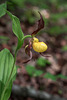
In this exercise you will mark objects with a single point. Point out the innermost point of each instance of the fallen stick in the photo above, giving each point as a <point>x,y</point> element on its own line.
<point>19,91</point>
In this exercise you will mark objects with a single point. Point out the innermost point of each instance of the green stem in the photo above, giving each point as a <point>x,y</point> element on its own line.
<point>27,36</point>
<point>6,85</point>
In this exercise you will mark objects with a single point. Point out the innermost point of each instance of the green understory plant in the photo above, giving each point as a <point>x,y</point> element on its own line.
<point>4,39</point>
<point>64,48</point>
<point>42,62</point>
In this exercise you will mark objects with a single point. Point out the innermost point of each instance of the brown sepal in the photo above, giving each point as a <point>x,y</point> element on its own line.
<point>40,25</point>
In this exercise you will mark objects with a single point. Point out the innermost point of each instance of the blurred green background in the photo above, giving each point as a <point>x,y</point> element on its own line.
<point>53,11</point>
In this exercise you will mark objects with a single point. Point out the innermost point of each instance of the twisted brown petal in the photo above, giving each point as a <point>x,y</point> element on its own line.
<point>46,56</point>
<point>27,60</point>
<point>28,52</point>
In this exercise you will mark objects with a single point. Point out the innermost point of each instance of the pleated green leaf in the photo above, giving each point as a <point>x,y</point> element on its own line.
<point>6,64</point>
